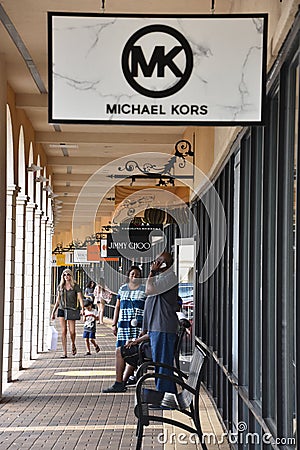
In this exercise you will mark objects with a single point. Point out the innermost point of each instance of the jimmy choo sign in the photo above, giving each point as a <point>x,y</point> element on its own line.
<point>135,241</point>
<point>157,69</point>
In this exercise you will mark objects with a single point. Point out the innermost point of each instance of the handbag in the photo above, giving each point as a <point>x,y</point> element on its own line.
<point>70,313</point>
<point>145,353</point>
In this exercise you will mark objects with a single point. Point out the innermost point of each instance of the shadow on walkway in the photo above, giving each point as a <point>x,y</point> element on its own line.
<point>58,404</point>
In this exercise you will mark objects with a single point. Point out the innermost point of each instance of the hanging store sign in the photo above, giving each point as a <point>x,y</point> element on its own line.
<point>61,259</point>
<point>93,253</point>
<point>80,256</point>
<point>103,249</point>
<point>125,69</point>
<point>129,242</point>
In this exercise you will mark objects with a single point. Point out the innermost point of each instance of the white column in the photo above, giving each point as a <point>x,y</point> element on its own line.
<point>11,195</point>
<point>41,332</point>
<point>3,94</point>
<point>36,281</point>
<point>19,283</point>
<point>48,275</point>
<point>28,299</point>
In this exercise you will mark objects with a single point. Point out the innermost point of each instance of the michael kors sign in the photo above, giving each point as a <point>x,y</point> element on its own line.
<point>157,69</point>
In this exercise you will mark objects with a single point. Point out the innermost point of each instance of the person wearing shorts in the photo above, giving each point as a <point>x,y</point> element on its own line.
<point>130,355</point>
<point>69,295</point>
<point>127,321</point>
<point>102,296</point>
<point>127,360</point>
<point>89,327</point>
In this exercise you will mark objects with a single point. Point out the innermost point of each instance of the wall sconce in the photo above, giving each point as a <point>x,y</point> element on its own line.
<point>52,195</point>
<point>33,168</point>
<point>41,179</point>
<point>48,189</point>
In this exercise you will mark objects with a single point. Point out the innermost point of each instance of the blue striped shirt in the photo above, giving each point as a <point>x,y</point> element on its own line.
<point>132,304</point>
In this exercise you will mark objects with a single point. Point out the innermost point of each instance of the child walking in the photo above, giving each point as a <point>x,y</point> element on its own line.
<point>89,327</point>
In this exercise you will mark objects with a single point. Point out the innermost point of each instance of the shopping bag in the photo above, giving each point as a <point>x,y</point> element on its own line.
<point>52,338</point>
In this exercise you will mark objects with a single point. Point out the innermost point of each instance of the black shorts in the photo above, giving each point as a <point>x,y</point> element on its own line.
<point>60,313</point>
<point>130,355</point>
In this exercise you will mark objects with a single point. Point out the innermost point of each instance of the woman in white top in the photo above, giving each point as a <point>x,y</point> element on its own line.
<point>102,296</point>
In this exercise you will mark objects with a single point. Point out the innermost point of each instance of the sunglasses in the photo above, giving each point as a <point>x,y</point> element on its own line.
<point>67,274</point>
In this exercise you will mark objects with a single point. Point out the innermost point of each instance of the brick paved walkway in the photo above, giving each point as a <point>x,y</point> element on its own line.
<point>57,404</point>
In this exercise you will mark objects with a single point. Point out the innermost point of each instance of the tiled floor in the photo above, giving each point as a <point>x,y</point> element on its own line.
<point>57,404</point>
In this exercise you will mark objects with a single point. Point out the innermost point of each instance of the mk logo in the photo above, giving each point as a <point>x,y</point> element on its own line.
<point>136,66</point>
<point>158,59</point>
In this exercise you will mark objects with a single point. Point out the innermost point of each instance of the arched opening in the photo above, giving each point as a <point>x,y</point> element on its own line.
<point>9,252</point>
<point>21,162</point>
<point>29,255</point>
<point>30,175</point>
<point>19,291</point>
<point>9,149</point>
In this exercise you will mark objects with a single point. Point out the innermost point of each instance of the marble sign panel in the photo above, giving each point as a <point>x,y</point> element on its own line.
<point>157,69</point>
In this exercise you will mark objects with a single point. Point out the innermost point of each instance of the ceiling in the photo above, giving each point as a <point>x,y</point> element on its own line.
<point>74,152</point>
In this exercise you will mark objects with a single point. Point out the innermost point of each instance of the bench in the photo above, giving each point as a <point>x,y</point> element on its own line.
<point>186,401</point>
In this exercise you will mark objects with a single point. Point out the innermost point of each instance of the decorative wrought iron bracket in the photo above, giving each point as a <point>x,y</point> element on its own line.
<point>165,173</point>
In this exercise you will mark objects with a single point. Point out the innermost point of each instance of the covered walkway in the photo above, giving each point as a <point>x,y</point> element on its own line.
<point>57,404</point>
